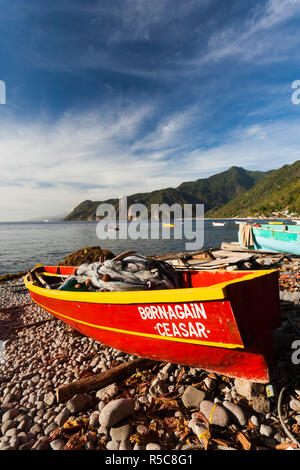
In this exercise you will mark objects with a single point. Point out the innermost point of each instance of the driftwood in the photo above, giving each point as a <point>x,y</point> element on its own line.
<point>98,381</point>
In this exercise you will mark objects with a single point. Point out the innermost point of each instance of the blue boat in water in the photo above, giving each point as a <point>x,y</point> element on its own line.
<point>270,237</point>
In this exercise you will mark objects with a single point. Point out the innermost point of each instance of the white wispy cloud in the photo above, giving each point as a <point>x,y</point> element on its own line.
<point>275,12</point>
<point>169,45</point>
<point>48,168</point>
<point>260,37</point>
<point>204,111</point>
<point>263,146</point>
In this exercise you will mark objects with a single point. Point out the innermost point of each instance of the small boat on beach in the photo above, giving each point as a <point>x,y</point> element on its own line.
<point>271,238</point>
<point>114,227</point>
<point>219,224</point>
<point>219,321</point>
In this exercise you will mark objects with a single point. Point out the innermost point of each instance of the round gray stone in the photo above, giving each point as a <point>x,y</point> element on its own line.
<point>115,411</point>
<point>192,397</point>
<point>62,417</point>
<point>49,398</point>
<point>197,426</point>
<point>94,418</point>
<point>12,432</point>
<point>254,420</point>
<point>295,405</point>
<point>10,414</point>
<point>57,444</point>
<point>50,428</point>
<point>6,426</point>
<point>265,430</point>
<point>36,429</point>
<point>215,413</point>
<point>107,392</point>
<point>236,413</point>
<point>77,403</point>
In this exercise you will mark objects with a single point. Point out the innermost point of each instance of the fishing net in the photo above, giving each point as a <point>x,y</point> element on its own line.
<point>130,273</point>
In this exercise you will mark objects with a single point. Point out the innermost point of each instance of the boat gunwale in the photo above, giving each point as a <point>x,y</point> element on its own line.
<point>274,230</point>
<point>215,292</point>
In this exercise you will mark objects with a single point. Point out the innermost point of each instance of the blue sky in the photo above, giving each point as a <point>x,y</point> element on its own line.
<point>112,97</point>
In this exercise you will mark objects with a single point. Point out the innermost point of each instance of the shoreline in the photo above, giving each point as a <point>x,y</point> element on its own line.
<point>39,359</point>
<point>135,220</point>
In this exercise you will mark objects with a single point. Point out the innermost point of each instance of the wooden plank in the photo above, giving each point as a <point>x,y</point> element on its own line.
<point>234,246</point>
<point>222,259</point>
<point>215,264</point>
<point>224,254</point>
<point>184,254</point>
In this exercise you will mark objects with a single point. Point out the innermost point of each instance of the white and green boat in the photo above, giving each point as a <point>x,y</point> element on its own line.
<point>270,237</point>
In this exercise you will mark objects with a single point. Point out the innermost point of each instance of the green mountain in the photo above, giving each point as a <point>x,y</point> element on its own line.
<point>219,189</point>
<point>214,192</point>
<point>279,191</point>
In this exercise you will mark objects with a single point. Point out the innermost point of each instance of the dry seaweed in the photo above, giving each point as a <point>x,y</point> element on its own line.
<point>87,255</point>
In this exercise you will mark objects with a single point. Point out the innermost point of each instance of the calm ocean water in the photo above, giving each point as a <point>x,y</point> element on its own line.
<point>24,244</point>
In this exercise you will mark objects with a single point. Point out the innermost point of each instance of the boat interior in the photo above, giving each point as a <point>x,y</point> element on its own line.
<point>52,277</point>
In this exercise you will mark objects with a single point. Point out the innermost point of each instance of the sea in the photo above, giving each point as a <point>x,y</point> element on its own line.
<point>25,244</point>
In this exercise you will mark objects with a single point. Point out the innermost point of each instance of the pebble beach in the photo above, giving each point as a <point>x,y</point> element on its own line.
<point>166,407</point>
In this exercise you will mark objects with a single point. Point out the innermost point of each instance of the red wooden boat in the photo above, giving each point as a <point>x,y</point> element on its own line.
<point>218,321</point>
